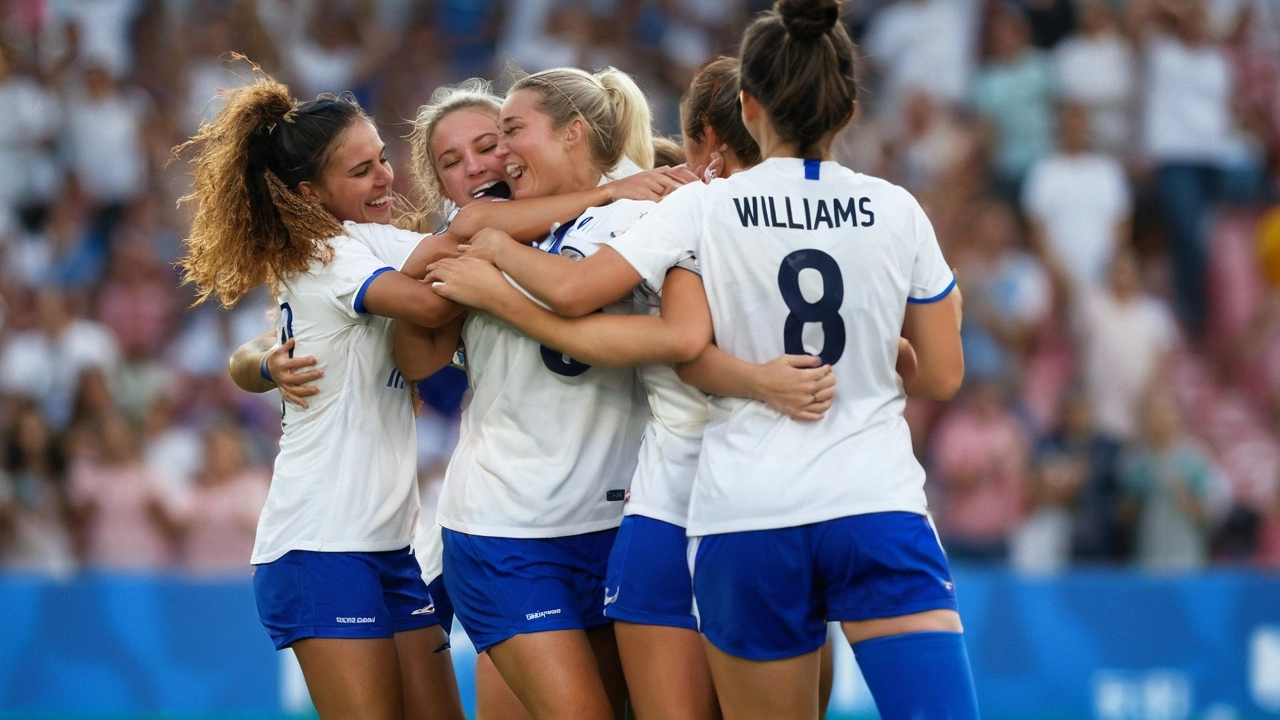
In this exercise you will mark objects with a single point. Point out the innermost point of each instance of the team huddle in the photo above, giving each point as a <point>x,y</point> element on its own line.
<point>683,451</point>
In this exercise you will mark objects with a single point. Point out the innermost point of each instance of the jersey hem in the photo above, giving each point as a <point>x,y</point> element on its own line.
<point>677,519</point>
<point>696,529</point>
<point>529,533</point>
<point>351,547</point>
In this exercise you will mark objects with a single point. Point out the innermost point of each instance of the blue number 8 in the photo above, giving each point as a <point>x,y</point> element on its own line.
<point>825,311</point>
<point>561,364</point>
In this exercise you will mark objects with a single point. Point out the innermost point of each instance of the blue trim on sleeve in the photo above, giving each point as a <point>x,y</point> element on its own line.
<point>359,303</point>
<point>811,168</point>
<point>935,298</point>
<point>559,235</point>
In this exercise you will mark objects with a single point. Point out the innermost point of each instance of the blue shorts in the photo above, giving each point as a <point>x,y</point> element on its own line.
<point>648,581</point>
<point>768,594</point>
<point>444,607</point>
<point>306,594</point>
<point>503,587</point>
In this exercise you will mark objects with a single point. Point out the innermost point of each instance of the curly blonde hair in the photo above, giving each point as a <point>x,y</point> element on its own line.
<point>471,94</point>
<point>250,224</point>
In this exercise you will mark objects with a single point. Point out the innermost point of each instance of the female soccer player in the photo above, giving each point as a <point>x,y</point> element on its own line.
<point>798,523</point>
<point>279,188</point>
<point>648,591</point>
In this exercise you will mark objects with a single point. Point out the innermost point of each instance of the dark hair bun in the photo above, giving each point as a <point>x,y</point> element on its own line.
<point>808,19</point>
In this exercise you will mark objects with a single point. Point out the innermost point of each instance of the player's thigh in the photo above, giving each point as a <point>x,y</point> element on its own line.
<point>426,668</point>
<point>352,679</point>
<point>604,646</point>
<point>666,671</point>
<point>555,675</point>
<point>785,689</point>
<point>494,698</point>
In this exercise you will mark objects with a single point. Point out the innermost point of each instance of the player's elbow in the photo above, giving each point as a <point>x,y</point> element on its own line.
<point>686,347</point>
<point>569,300</point>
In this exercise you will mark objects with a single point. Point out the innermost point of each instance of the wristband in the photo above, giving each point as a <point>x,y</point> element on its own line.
<point>262,368</point>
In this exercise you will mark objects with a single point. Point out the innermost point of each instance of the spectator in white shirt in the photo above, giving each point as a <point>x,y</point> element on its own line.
<point>921,45</point>
<point>1077,202</point>
<point>1096,68</point>
<point>1125,340</point>
<point>1191,140</point>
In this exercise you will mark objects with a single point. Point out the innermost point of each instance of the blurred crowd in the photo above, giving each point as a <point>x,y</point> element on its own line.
<point>1098,171</point>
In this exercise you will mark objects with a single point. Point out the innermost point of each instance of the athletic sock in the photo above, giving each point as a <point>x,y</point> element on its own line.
<point>919,676</point>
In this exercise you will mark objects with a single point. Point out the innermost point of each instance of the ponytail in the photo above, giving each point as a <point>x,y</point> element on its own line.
<point>634,122</point>
<point>250,225</point>
<point>611,105</point>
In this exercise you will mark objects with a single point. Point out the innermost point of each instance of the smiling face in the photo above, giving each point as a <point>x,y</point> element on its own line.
<point>537,157</point>
<point>464,150</point>
<point>356,182</point>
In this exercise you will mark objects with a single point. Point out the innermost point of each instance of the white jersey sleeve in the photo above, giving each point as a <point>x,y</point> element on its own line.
<point>388,243</point>
<point>666,235</point>
<point>931,277</point>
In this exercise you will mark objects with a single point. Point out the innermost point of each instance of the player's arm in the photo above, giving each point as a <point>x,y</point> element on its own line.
<point>259,366</point>
<point>530,220</point>
<point>397,296</point>
<point>431,249</point>
<point>935,368</point>
<point>421,352</point>
<point>570,288</point>
<point>600,339</point>
<point>798,386</point>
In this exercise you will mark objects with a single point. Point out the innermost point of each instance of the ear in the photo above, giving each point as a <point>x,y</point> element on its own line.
<point>310,193</point>
<point>574,133</point>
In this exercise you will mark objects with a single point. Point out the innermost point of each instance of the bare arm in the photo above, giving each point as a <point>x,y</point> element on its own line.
<point>679,334</point>
<point>933,331</point>
<point>570,288</point>
<point>400,297</point>
<point>530,220</point>
<point>292,376</point>
<point>421,352</point>
<point>797,386</point>
<point>431,249</point>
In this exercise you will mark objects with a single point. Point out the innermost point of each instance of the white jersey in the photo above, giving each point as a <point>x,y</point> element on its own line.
<point>345,479</point>
<point>802,257</point>
<point>673,438</point>
<point>548,444</point>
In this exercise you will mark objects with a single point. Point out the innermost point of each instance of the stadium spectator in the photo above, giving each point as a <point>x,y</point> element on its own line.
<point>38,536</point>
<point>1012,91</point>
<point>1192,140</point>
<point>127,515</point>
<point>45,362</point>
<point>922,46</point>
<point>981,457</point>
<point>1166,483</point>
<point>1078,468</point>
<point>1096,68</point>
<point>106,122</point>
<point>1124,339</point>
<point>223,507</point>
<point>1077,202</point>
<point>1007,293</point>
